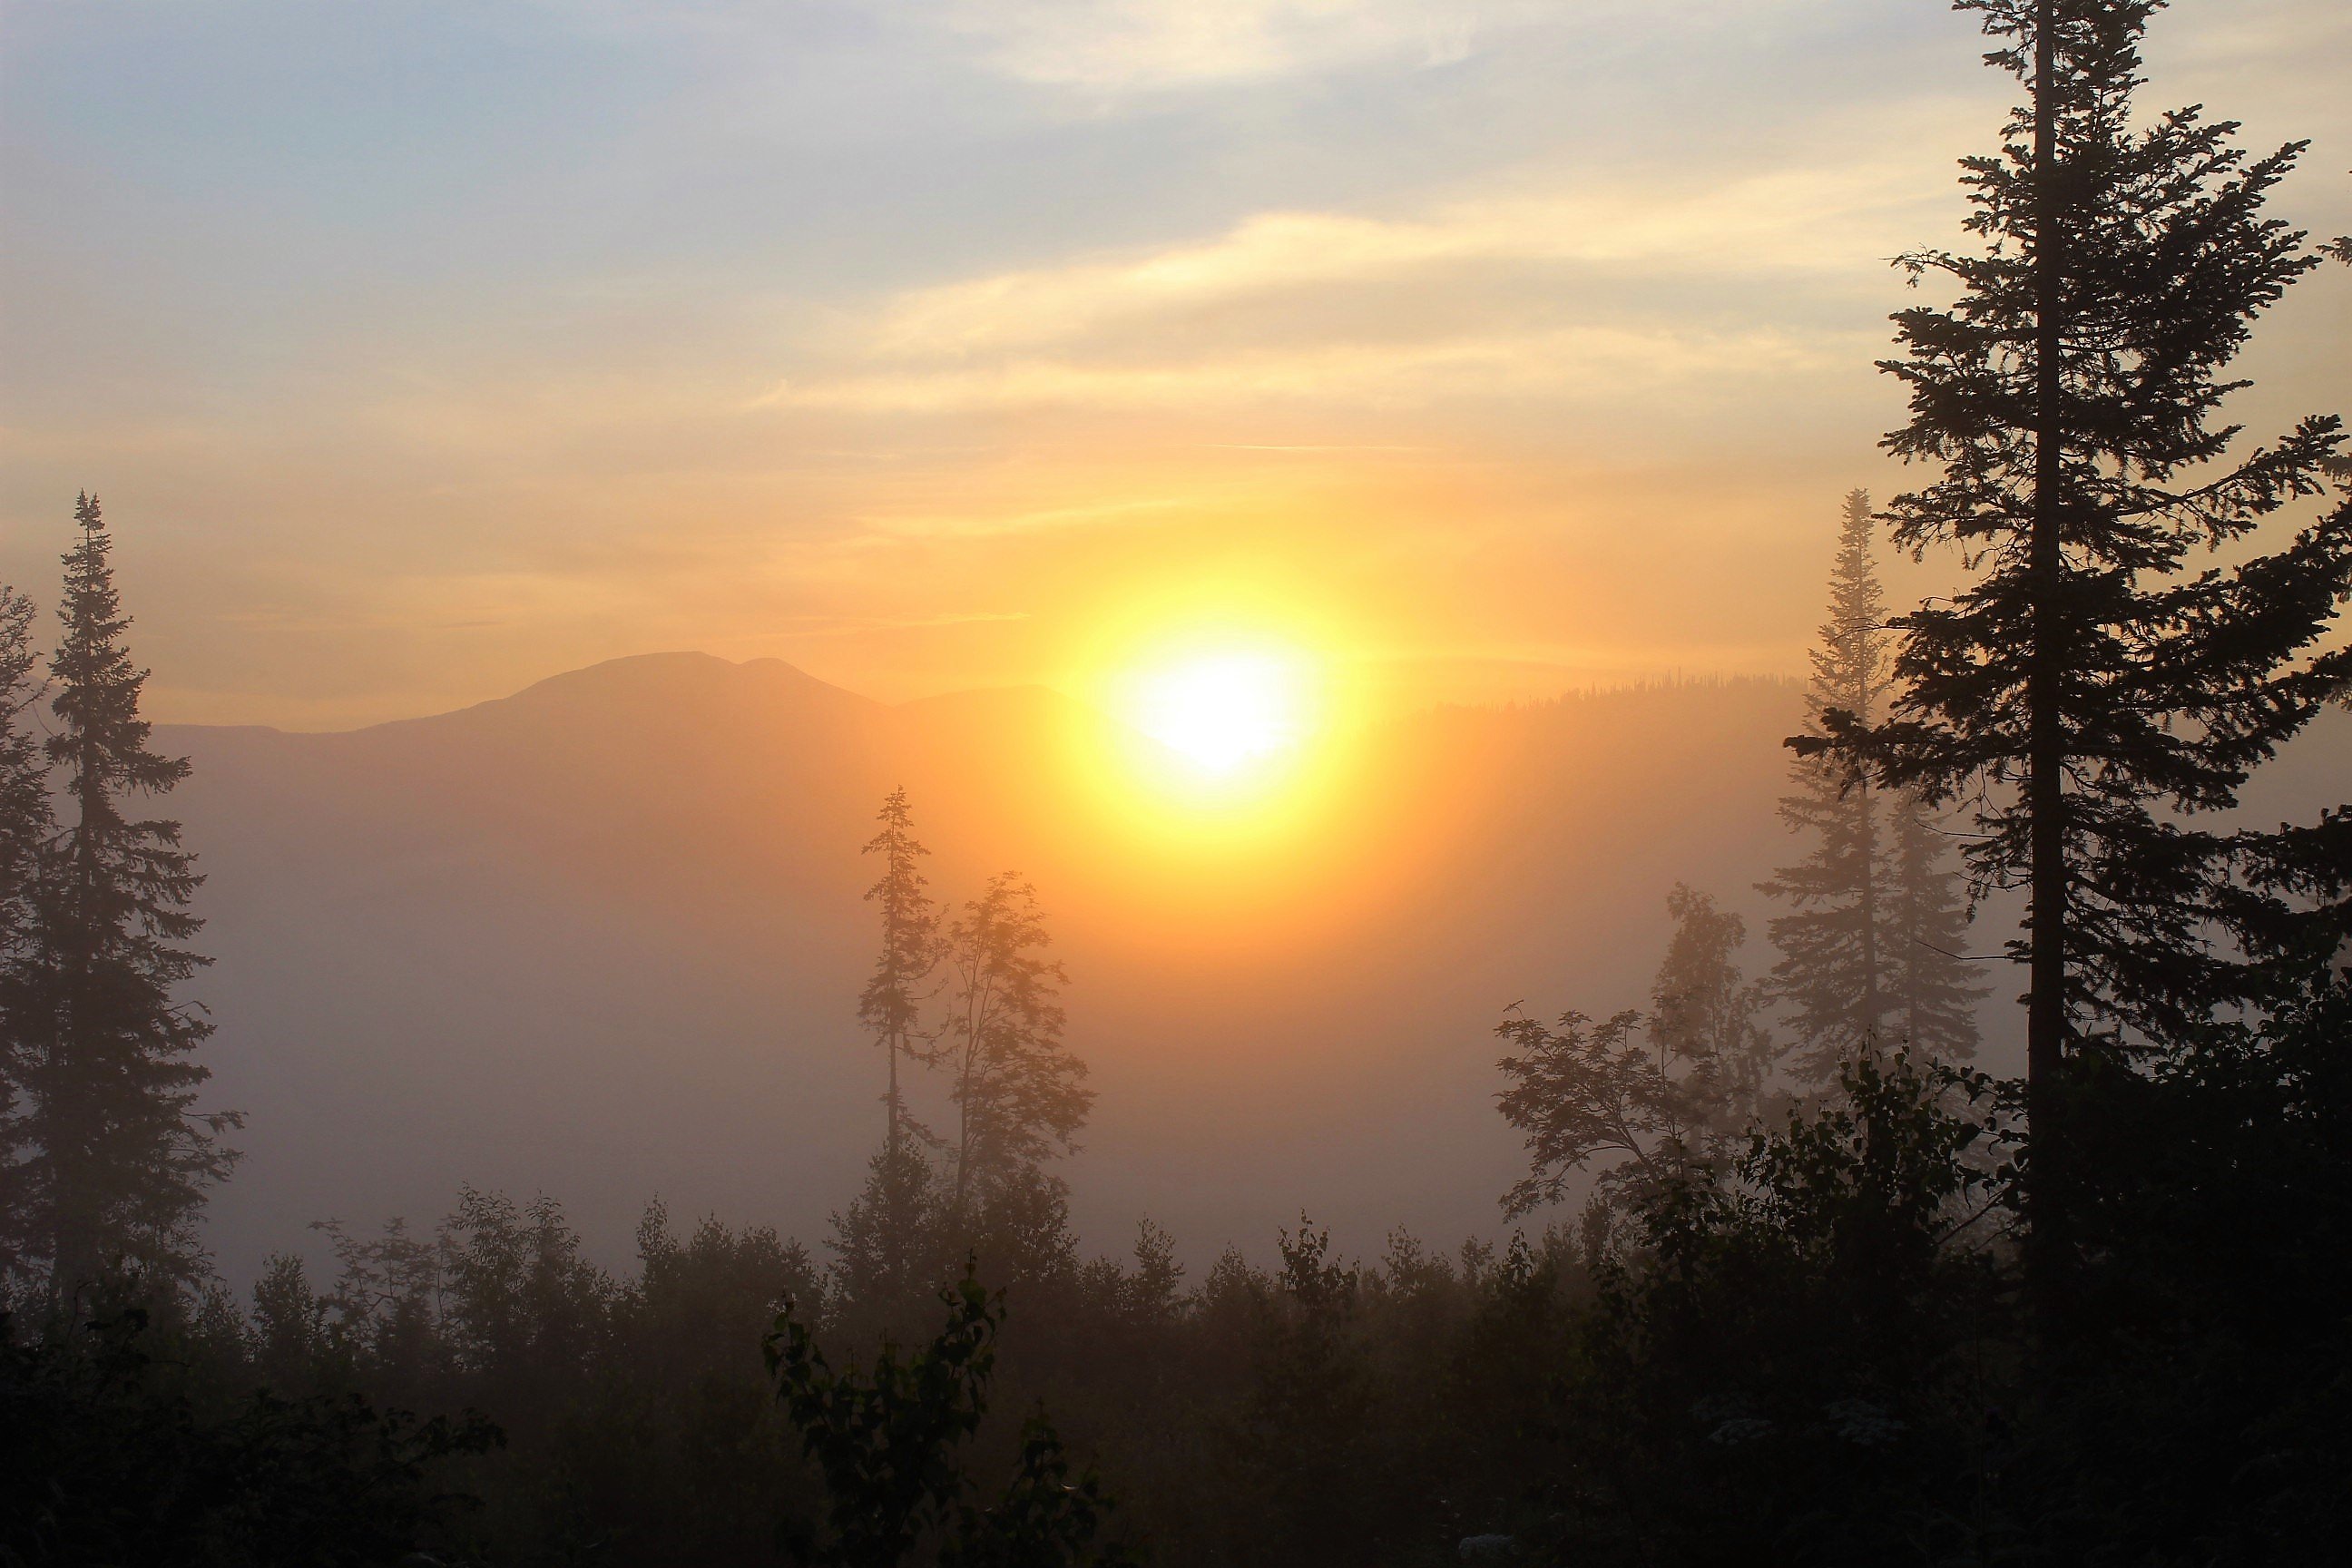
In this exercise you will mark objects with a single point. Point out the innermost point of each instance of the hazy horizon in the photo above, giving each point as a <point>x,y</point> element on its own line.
<point>1664,680</point>
<point>475,947</point>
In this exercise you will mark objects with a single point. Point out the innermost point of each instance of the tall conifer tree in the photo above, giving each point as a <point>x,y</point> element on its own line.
<point>26,821</point>
<point>889,1247</point>
<point>883,1242</point>
<point>25,818</point>
<point>2088,691</point>
<point>1934,981</point>
<point>892,1003</point>
<point>120,1156</point>
<point>1869,953</point>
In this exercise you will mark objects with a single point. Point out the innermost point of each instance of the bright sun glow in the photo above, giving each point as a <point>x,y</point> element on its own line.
<point>1225,712</point>
<point>1226,720</point>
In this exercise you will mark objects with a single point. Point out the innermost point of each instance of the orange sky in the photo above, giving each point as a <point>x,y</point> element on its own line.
<point>419,352</point>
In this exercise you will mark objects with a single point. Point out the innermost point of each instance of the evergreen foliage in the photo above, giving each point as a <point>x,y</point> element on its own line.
<point>119,1157</point>
<point>889,1244</point>
<point>25,818</point>
<point>26,824</point>
<point>1871,951</point>
<point>1937,984</point>
<point>891,1004</point>
<point>1811,1333</point>
<point>2089,695</point>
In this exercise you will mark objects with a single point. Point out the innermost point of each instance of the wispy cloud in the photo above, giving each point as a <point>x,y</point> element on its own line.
<point>1602,361</point>
<point>1840,219</point>
<point>1565,290</point>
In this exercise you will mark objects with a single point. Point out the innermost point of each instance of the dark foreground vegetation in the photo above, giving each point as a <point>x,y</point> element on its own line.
<point>1795,1282</point>
<point>1818,1352</point>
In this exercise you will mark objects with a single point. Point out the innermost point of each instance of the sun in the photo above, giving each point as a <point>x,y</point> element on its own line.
<point>1225,727</point>
<point>1223,712</point>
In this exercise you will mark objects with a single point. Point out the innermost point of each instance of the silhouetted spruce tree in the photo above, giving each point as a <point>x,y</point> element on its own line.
<point>892,1003</point>
<point>26,822</point>
<point>1871,953</point>
<point>2087,691</point>
<point>1936,984</point>
<point>888,1245</point>
<point>25,818</point>
<point>882,1242</point>
<point>1020,1094</point>
<point>120,1155</point>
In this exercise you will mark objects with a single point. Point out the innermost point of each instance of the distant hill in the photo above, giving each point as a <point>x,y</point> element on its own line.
<point>604,939</point>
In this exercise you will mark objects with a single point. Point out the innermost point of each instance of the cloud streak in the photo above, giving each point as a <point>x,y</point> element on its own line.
<point>1563,293</point>
<point>1820,220</point>
<point>1597,362</point>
